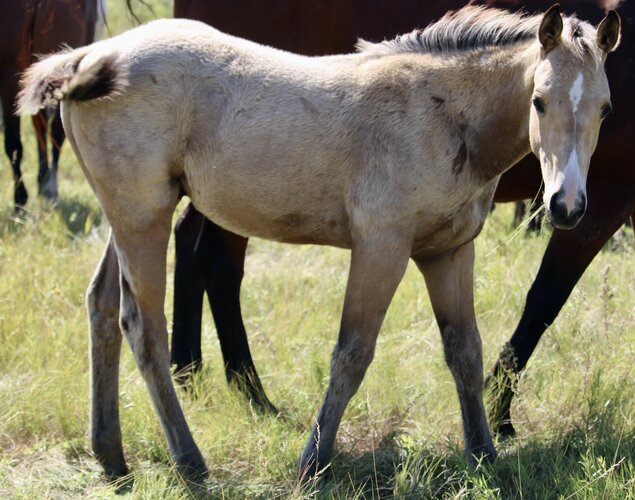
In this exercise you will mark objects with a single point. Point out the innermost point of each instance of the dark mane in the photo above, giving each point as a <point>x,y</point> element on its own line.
<point>477,27</point>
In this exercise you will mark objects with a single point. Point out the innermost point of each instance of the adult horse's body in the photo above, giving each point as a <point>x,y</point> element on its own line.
<point>212,258</point>
<point>386,152</point>
<point>30,28</point>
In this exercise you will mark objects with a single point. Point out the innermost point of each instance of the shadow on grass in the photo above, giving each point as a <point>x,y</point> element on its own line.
<point>76,216</point>
<point>593,460</point>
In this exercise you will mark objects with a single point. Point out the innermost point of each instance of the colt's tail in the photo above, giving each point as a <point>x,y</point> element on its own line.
<point>66,76</point>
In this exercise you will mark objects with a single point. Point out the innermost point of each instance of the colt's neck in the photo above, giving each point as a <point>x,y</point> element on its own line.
<point>497,104</point>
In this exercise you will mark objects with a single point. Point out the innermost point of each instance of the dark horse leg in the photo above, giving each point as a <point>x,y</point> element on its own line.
<point>520,213</point>
<point>40,124</point>
<point>567,256</point>
<point>210,258</point>
<point>47,177</point>
<point>57,138</point>
<point>12,144</point>
<point>188,295</point>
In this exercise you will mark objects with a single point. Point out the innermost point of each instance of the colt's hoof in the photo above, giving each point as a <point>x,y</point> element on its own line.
<point>310,467</point>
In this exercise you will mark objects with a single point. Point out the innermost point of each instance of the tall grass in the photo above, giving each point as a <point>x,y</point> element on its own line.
<point>401,434</point>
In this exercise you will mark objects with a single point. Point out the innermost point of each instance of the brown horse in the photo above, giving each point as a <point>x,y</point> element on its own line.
<point>29,28</point>
<point>210,258</point>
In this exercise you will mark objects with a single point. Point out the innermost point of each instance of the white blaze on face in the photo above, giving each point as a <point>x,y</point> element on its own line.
<point>569,180</point>
<point>575,94</point>
<point>572,182</point>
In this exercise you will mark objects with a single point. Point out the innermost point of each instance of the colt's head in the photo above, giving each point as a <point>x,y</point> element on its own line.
<point>571,98</point>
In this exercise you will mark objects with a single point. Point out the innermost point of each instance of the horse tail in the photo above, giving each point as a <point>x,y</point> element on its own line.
<point>67,76</point>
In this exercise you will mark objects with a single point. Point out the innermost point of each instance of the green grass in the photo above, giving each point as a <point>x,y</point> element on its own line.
<point>401,435</point>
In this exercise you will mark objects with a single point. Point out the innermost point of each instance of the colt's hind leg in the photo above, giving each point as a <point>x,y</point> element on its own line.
<point>375,272</point>
<point>450,285</point>
<point>142,251</point>
<point>105,347</point>
<point>221,259</point>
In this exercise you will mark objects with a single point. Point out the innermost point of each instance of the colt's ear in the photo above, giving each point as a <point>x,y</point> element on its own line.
<point>608,33</point>
<point>550,28</point>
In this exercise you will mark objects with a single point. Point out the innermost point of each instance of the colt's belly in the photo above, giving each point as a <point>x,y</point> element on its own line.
<point>289,213</point>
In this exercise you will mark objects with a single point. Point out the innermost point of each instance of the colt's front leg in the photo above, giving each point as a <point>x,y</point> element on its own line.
<point>450,282</point>
<point>376,270</point>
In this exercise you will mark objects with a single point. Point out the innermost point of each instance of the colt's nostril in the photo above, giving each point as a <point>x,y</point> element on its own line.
<point>558,210</point>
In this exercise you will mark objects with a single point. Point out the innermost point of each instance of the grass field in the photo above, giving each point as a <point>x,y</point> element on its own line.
<point>401,435</point>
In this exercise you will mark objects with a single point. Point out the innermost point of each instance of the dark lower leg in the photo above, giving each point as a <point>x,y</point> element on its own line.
<point>566,258</point>
<point>349,363</point>
<point>13,149</point>
<point>544,301</point>
<point>105,348</point>
<point>40,125</point>
<point>463,355</point>
<point>536,215</point>
<point>221,257</point>
<point>376,269</point>
<point>142,321</point>
<point>57,139</point>
<point>188,296</point>
<point>449,279</point>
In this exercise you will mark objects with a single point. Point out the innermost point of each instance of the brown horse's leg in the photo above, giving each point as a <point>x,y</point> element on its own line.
<point>40,124</point>
<point>375,272</point>
<point>536,214</point>
<point>57,139</point>
<point>567,256</point>
<point>212,259</point>
<point>450,283</point>
<point>12,143</point>
<point>220,255</point>
<point>188,295</point>
<point>105,346</point>
<point>520,210</point>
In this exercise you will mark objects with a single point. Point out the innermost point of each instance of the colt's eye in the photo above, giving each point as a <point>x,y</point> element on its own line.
<point>539,104</point>
<point>606,110</point>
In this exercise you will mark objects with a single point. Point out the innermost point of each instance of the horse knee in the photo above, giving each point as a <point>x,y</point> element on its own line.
<point>463,354</point>
<point>138,329</point>
<point>349,363</point>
